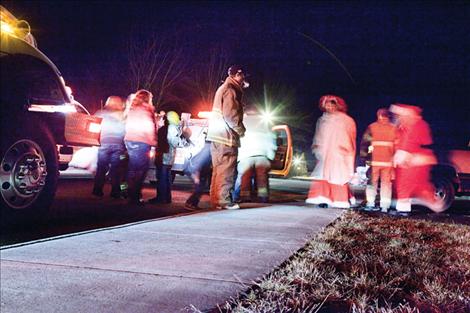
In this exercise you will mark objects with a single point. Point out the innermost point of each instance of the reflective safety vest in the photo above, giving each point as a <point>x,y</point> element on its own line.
<point>383,136</point>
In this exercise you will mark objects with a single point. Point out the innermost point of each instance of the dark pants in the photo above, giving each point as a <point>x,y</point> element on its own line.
<point>137,168</point>
<point>199,170</point>
<point>163,183</point>
<point>109,158</point>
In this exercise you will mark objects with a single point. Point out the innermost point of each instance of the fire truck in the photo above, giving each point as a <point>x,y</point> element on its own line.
<point>40,123</point>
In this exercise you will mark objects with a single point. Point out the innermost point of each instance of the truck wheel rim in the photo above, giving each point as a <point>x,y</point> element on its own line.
<point>23,174</point>
<point>440,193</point>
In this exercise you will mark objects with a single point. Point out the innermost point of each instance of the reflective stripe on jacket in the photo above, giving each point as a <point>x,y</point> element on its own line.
<point>226,122</point>
<point>383,136</point>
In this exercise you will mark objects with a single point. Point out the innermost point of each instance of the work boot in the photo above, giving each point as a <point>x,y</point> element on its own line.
<point>97,193</point>
<point>136,202</point>
<point>263,199</point>
<point>399,213</point>
<point>191,207</point>
<point>228,206</point>
<point>371,208</point>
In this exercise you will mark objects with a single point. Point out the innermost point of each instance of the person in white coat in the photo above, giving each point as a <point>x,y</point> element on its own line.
<point>334,146</point>
<point>257,150</point>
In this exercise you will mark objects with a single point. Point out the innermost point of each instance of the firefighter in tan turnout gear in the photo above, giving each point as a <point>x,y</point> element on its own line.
<point>225,129</point>
<point>379,141</point>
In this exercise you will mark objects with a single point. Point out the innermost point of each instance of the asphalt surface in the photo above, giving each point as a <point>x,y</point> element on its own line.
<point>101,255</point>
<point>75,209</point>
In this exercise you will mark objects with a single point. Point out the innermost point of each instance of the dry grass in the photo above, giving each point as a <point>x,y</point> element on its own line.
<point>370,264</point>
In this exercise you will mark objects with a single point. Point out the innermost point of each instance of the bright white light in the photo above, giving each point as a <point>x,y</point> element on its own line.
<point>7,28</point>
<point>94,128</point>
<point>297,160</point>
<point>66,108</point>
<point>152,153</point>
<point>204,114</point>
<point>267,116</point>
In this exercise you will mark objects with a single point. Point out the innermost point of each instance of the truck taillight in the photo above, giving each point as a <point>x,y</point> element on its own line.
<point>94,128</point>
<point>204,114</point>
<point>152,153</point>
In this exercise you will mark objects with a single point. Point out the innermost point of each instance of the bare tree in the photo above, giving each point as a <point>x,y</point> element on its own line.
<point>156,63</point>
<point>210,74</point>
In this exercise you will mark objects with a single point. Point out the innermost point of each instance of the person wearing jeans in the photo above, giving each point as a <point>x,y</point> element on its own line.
<point>112,147</point>
<point>170,137</point>
<point>140,136</point>
<point>199,170</point>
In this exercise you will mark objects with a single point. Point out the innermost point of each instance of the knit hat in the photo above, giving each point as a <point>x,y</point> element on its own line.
<point>173,117</point>
<point>234,69</point>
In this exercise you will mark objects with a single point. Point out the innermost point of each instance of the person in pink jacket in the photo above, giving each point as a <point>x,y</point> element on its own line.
<point>334,146</point>
<point>140,137</point>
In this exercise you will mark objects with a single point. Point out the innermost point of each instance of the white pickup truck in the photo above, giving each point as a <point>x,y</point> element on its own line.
<point>198,126</point>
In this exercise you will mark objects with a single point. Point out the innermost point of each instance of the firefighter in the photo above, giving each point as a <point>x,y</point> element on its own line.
<point>378,140</point>
<point>225,129</point>
<point>413,160</point>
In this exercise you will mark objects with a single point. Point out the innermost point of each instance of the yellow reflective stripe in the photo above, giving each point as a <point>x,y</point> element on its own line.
<point>220,139</point>
<point>382,143</point>
<point>378,163</point>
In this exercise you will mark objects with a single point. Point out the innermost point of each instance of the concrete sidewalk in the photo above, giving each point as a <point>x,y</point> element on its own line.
<point>162,265</point>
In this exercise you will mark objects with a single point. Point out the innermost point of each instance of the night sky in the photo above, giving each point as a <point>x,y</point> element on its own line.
<point>370,53</point>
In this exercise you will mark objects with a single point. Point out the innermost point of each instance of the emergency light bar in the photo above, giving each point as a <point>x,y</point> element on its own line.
<point>18,28</point>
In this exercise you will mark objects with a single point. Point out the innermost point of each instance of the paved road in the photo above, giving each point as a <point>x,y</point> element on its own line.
<point>76,210</point>
<point>100,255</point>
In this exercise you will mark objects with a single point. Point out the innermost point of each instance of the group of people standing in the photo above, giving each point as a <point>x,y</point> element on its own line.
<point>400,151</point>
<point>128,131</point>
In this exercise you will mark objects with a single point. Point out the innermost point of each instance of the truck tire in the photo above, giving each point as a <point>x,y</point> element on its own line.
<point>445,191</point>
<point>28,172</point>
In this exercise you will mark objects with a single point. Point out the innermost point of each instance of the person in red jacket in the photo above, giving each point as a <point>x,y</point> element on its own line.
<point>413,160</point>
<point>379,140</point>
